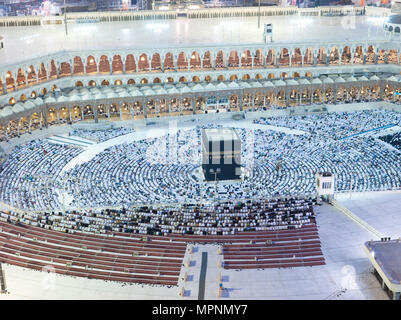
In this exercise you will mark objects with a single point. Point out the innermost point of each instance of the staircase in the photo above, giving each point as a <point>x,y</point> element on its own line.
<point>71,141</point>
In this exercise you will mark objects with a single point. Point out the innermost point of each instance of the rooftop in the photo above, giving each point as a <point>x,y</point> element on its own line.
<point>388,255</point>
<point>22,43</point>
<point>225,134</point>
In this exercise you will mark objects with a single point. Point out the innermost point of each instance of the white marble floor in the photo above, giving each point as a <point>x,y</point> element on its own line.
<point>382,210</point>
<point>22,43</point>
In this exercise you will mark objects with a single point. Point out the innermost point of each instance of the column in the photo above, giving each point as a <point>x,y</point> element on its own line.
<point>95,114</point>
<point>44,117</point>
<point>145,111</point>
<point>193,104</point>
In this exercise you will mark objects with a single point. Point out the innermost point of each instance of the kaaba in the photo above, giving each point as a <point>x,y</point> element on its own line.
<point>221,154</point>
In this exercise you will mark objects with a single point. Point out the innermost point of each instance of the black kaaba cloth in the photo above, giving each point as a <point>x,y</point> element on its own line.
<point>221,154</point>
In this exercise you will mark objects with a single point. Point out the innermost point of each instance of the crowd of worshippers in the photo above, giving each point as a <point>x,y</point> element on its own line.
<point>27,175</point>
<point>225,218</point>
<point>336,125</point>
<point>393,139</point>
<point>166,169</point>
<point>101,135</point>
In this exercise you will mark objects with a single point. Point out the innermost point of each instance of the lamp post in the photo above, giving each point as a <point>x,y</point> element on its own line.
<point>65,19</point>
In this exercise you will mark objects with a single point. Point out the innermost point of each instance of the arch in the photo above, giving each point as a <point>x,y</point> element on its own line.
<point>346,55</point>
<point>35,120</point>
<point>130,65</point>
<point>358,55</point>
<point>169,62</point>
<point>65,69</point>
<point>220,60</point>
<point>233,60</point>
<point>182,79</point>
<point>63,114</point>
<point>170,80</point>
<point>296,75</point>
<point>258,61</point>
<point>270,76</point>
<point>105,83</point>
<point>246,59</point>
<point>280,98</point>
<point>220,78</point>
<point>334,56</point>
<point>31,75</point>
<point>43,91</point>
<point>76,113</point>
<point>117,65</point>
<point>208,79</point>
<point>382,56</point>
<point>200,104</point>
<point>284,58</point>
<point>53,70</point>
<point>370,55</point>
<point>42,74</point>
<point>392,56</point>
<point>52,115</point>
<point>21,80</point>
<point>92,83</point>
<point>54,87</point>
<point>246,77</point>
<point>388,92</point>
<point>182,61</point>
<point>317,96</point>
<point>296,59</point>
<point>329,95</point>
<point>101,110</point>
<point>131,81</point>
<point>207,61</point>
<point>79,84</point>
<point>308,74</point>
<point>155,63</point>
<point>195,79</point>
<point>271,58</point>
<point>234,102</point>
<point>258,76</point>
<point>77,66</point>
<point>118,82</point>
<point>88,111</point>
<point>143,63</point>
<point>114,110</point>
<point>104,65</point>
<point>156,80</point>
<point>233,77</point>
<point>309,57</point>
<point>322,56</point>
<point>91,66</point>
<point>10,83</point>
<point>144,81</point>
<point>195,61</point>
<point>284,75</point>
<point>12,101</point>
<point>34,94</point>
<point>305,96</point>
